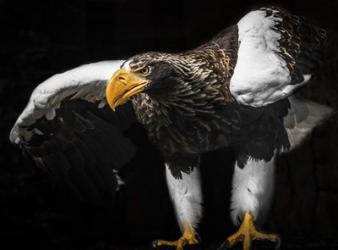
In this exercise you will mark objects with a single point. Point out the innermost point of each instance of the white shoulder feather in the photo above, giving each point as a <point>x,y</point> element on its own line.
<point>275,56</point>
<point>85,82</point>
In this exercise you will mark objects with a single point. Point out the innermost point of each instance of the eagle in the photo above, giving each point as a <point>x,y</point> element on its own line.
<point>235,91</point>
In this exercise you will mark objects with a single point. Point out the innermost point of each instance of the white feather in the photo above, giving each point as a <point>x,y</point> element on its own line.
<point>252,190</point>
<point>186,196</point>
<point>38,131</point>
<point>50,114</point>
<point>260,76</point>
<point>303,117</point>
<point>85,82</point>
<point>126,65</point>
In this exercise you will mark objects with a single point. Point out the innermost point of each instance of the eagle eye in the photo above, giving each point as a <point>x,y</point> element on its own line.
<point>145,70</point>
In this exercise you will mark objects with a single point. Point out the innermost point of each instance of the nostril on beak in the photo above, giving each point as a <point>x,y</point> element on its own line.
<point>122,80</point>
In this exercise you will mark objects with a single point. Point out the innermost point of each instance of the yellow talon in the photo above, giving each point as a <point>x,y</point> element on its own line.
<point>188,238</point>
<point>247,232</point>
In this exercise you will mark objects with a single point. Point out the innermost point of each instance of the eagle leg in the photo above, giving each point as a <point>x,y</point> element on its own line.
<point>247,232</point>
<point>189,237</point>
<point>183,179</point>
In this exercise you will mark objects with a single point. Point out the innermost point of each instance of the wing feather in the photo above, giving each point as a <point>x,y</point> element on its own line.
<point>278,52</point>
<point>68,131</point>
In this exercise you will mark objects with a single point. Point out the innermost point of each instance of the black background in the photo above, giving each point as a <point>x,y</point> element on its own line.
<point>41,38</point>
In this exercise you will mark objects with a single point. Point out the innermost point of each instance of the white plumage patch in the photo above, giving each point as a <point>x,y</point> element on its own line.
<point>186,196</point>
<point>126,65</point>
<point>86,82</point>
<point>260,76</point>
<point>252,190</point>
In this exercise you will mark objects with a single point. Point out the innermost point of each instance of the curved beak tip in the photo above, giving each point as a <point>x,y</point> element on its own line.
<point>123,85</point>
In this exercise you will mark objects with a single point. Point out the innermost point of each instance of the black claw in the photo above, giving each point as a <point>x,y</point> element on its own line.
<point>224,245</point>
<point>198,238</point>
<point>278,242</point>
<point>154,244</point>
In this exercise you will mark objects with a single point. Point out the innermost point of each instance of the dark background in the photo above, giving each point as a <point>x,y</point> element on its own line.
<point>41,38</point>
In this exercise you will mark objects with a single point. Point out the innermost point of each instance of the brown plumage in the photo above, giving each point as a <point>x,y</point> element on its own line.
<point>196,111</point>
<point>231,92</point>
<point>193,103</point>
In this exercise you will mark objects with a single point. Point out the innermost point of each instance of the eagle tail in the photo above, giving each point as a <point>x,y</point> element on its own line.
<point>303,117</point>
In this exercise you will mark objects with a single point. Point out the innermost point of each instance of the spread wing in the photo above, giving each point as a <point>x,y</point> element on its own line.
<point>69,131</point>
<point>278,52</point>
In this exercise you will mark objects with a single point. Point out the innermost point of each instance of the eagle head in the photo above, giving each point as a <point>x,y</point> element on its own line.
<point>153,73</point>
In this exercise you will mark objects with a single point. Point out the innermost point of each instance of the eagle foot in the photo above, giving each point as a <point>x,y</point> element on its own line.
<point>188,238</point>
<point>247,232</point>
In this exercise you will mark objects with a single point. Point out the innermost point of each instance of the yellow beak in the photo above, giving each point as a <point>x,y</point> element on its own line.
<point>123,85</point>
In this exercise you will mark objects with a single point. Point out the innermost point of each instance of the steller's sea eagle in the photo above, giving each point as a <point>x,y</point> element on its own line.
<point>234,91</point>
